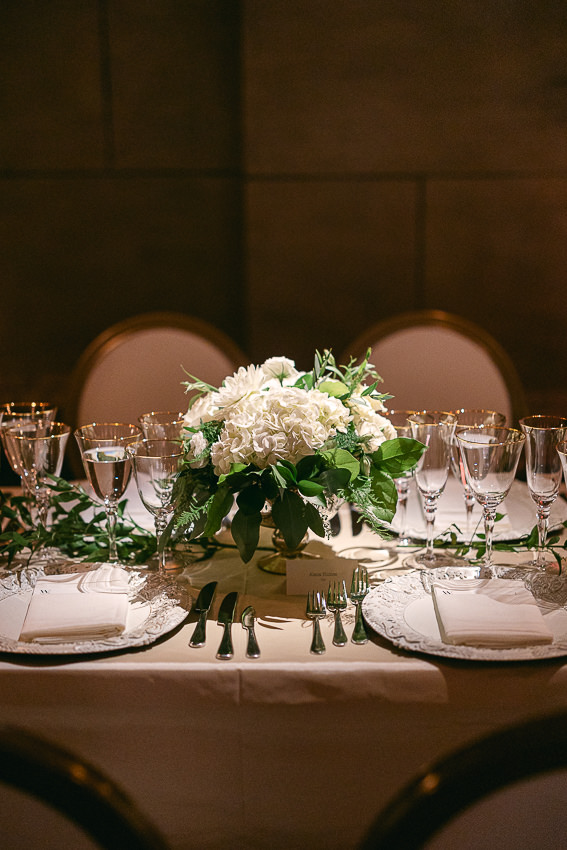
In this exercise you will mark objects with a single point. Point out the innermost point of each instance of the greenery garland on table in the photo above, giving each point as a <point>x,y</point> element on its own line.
<point>78,530</point>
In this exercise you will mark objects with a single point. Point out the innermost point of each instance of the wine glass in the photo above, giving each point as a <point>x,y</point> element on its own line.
<point>108,466</point>
<point>14,412</point>
<point>435,429</point>
<point>543,473</point>
<point>490,458</point>
<point>399,420</point>
<point>36,449</point>
<point>156,465</point>
<point>470,418</point>
<point>162,424</point>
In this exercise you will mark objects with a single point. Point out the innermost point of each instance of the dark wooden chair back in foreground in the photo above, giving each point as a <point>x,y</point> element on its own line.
<point>507,791</point>
<point>76,789</point>
<point>430,359</point>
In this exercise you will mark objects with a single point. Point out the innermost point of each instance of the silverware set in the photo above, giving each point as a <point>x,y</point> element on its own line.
<point>226,617</point>
<point>336,601</point>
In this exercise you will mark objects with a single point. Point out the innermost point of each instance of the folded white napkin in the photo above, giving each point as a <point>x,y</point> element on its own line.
<point>78,606</point>
<point>488,612</point>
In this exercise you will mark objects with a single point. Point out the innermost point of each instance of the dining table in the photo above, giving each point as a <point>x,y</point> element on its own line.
<point>289,749</point>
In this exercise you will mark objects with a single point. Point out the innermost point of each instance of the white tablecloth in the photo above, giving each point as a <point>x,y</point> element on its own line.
<point>276,752</point>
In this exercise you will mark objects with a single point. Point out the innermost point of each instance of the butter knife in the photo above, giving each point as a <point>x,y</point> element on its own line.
<point>248,618</point>
<point>225,619</point>
<point>202,607</point>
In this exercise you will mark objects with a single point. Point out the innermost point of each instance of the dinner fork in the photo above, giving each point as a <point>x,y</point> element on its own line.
<point>337,602</point>
<point>316,610</point>
<point>358,590</point>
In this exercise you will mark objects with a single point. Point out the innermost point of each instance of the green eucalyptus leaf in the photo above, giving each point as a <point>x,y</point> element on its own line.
<point>342,459</point>
<point>245,530</point>
<point>314,519</point>
<point>218,509</point>
<point>288,513</point>
<point>398,455</point>
<point>251,500</point>
<point>310,488</point>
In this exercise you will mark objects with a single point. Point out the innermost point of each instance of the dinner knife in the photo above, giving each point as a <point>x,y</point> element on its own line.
<point>248,618</point>
<point>225,619</point>
<point>202,607</point>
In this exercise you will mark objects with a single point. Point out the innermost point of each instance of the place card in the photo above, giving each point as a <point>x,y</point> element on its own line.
<point>305,574</point>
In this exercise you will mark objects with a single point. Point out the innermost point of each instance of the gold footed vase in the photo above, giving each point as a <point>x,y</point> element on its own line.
<point>275,562</point>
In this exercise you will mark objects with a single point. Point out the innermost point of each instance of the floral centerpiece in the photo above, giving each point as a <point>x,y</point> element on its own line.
<point>290,444</point>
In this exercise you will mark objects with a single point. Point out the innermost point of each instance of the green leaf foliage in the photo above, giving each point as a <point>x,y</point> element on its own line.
<point>398,455</point>
<point>288,512</point>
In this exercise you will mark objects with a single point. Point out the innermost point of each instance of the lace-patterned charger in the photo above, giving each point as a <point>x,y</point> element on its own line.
<point>401,610</point>
<point>156,605</point>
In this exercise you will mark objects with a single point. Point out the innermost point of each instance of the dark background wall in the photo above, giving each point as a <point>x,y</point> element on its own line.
<point>290,170</point>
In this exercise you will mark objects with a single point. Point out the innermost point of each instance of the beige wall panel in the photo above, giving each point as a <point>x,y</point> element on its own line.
<point>79,255</point>
<point>497,252</point>
<point>175,83</point>
<point>325,259</point>
<point>50,100</point>
<point>405,86</point>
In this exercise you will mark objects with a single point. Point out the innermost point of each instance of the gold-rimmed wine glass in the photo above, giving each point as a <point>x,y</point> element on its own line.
<point>156,465</point>
<point>470,418</point>
<point>162,424</point>
<point>435,429</point>
<point>490,459</point>
<point>16,412</point>
<point>108,466</point>
<point>543,473</point>
<point>36,449</point>
<point>399,420</point>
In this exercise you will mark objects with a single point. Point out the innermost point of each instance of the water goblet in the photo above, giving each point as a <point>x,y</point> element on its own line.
<point>162,424</point>
<point>156,465</point>
<point>399,420</point>
<point>490,458</point>
<point>435,429</point>
<point>108,466</point>
<point>470,418</point>
<point>543,473</point>
<point>36,449</point>
<point>15,412</point>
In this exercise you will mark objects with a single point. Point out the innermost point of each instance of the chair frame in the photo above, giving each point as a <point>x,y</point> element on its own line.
<point>450,785</point>
<point>85,795</point>
<point>440,318</point>
<point>113,336</point>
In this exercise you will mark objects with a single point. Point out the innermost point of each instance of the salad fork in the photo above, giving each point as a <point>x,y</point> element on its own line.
<point>337,602</point>
<point>316,610</point>
<point>358,590</point>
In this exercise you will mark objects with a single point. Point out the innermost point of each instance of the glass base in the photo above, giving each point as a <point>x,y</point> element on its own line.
<point>423,561</point>
<point>276,562</point>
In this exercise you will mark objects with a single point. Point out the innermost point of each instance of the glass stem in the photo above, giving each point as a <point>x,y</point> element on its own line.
<point>430,503</point>
<point>489,518</point>
<point>160,523</point>
<point>542,525</point>
<point>42,502</point>
<point>402,486</point>
<point>111,509</point>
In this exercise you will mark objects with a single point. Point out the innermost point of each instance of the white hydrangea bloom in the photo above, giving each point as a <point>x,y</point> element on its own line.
<point>203,410</point>
<point>247,379</point>
<point>285,423</point>
<point>195,446</point>
<point>369,423</point>
<point>282,369</point>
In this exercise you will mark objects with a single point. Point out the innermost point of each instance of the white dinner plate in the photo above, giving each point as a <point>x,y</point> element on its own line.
<point>402,611</point>
<point>156,605</point>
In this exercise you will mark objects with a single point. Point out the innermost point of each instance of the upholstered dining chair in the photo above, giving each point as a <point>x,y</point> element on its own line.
<point>54,780</point>
<point>506,790</point>
<point>137,366</point>
<point>430,359</point>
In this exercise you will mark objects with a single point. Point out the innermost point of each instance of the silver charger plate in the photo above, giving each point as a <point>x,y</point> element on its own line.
<point>401,610</point>
<point>156,605</point>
